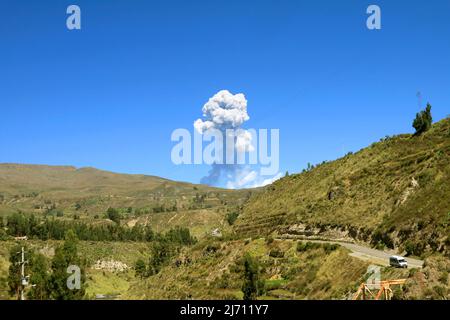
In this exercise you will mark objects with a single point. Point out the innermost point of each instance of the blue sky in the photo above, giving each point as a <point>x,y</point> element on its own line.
<point>110,95</point>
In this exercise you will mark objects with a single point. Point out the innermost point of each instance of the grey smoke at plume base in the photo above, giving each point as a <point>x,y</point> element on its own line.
<point>227,111</point>
<point>235,177</point>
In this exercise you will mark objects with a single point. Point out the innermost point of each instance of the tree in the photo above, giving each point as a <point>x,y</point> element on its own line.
<point>180,235</point>
<point>113,215</point>
<point>35,267</point>
<point>14,271</point>
<point>65,256</point>
<point>423,120</point>
<point>252,286</point>
<point>39,278</point>
<point>161,253</point>
<point>17,224</point>
<point>140,268</point>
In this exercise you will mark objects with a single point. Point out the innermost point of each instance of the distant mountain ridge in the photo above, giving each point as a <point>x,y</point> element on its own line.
<point>39,188</point>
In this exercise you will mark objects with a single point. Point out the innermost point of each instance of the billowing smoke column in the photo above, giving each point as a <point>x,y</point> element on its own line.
<point>227,111</point>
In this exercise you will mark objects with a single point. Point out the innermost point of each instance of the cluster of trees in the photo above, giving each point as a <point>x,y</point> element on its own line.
<point>163,249</point>
<point>19,224</point>
<point>116,215</point>
<point>48,280</point>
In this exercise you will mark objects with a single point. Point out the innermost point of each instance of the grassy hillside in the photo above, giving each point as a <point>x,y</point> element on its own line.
<point>87,193</point>
<point>393,193</point>
<point>214,270</point>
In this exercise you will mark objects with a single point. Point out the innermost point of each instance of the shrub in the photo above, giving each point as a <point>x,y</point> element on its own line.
<point>305,246</point>
<point>231,217</point>
<point>269,240</point>
<point>3,235</point>
<point>414,248</point>
<point>380,239</point>
<point>140,268</point>
<point>224,282</point>
<point>276,253</point>
<point>329,247</point>
<point>211,248</point>
<point>440,292</point>
<point>444,277</point>
<point>113,215</point>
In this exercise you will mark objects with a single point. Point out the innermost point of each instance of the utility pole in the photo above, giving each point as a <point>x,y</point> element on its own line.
<point>23,278</point>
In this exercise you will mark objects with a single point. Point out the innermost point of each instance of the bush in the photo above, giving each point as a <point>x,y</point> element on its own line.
<point>414,248</point>
<point>330,247</point>
<point>276,253</point>
<point>381,238</point>
<point>444,277</point>
<point>305,246</point>
<point>211,248</point>
<point>231,217</point>
<point>3,235</point>
<point>113,215</point>
<point>140,268</point>
<point>440,292</point>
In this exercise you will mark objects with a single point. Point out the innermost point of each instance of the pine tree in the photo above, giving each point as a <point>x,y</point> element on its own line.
<point>423,120</point>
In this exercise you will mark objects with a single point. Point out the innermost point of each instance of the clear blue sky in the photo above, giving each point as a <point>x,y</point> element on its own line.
<point>110,95</point>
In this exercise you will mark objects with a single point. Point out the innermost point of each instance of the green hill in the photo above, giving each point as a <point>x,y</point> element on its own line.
<point>87,193</point>
<point>392,193</point>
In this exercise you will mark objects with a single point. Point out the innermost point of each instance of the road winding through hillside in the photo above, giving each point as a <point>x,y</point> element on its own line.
<point>372,255</point>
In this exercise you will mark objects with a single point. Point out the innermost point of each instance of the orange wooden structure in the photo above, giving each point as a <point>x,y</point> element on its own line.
<point>384,291</point>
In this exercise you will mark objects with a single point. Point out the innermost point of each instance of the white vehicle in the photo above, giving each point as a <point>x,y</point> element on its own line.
<point>398,262</point>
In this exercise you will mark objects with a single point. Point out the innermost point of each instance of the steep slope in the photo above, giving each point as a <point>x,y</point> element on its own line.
<point>394,193</point>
